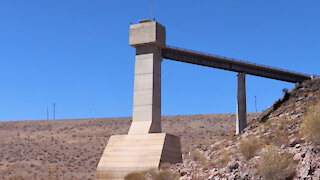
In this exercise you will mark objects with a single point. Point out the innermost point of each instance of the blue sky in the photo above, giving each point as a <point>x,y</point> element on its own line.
<point>75,53</point>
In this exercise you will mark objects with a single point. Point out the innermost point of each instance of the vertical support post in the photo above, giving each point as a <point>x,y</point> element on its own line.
<point>241,103</point>
<point>255,103</point>
<point>146,116</point>
<point>54,111</point>
<point>47,113</point>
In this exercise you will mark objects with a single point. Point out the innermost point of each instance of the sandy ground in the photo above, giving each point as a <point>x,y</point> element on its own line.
<point>71,149</point>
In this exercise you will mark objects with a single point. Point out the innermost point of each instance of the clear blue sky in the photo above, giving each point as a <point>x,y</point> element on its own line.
<point>75,53</point>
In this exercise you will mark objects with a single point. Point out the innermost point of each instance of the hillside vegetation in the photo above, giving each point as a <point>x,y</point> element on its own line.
<point>71,149</point>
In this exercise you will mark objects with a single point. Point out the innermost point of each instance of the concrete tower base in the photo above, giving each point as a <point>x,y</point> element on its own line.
<point>133,153</point>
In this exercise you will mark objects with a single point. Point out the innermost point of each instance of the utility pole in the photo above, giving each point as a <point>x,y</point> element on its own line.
<point>47,113</point>
<point>54,111</point>
<point>255,102</point>
<point>151,9</point>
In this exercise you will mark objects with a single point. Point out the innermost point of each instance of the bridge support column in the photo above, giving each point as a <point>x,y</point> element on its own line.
<point>241,103</point>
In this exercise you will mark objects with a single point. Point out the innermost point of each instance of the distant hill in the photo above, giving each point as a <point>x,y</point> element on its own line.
<point>71,149</point>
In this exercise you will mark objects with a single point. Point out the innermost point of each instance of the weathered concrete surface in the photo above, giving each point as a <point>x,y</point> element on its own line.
<point>241,103</point>
<point>131,153</point>
<point>144,147</point>
<point>147,33</point>
<point>147,38</point>
<point>147,91</point>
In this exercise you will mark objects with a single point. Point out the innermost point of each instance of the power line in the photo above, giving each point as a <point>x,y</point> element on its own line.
<point>151,9</point>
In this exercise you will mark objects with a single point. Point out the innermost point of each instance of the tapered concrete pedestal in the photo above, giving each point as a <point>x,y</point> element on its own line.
<point>133,153</point>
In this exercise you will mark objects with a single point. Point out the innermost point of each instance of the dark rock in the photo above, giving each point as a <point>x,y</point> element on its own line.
<point>294,141</point>
<point>232,166</point>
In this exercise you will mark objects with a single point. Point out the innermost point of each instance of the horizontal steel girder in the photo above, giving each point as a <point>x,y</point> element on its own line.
<point>224,63</point>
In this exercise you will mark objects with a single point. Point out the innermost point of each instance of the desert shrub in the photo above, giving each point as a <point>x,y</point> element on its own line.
<point>165,166</point>
<point>311,125</point>
<point>279,134</point>
<point>248,147</point>
<point>279,137</point>
<point>267,123</point>
<point>209,165</point>
<point>136,176</point>
<point>163,175</point>
<point>274,165</point>
<point>223,159</point>
<point>198,156</point>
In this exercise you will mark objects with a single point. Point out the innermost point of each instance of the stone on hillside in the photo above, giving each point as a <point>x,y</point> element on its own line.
<point>294,141</point>
<point>233,165</point>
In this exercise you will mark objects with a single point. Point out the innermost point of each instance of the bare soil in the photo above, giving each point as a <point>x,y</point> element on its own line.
<point>71,149</point>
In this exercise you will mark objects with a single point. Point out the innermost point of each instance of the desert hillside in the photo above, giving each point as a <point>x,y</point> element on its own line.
<point>283,143</point>
<point>71,149</point>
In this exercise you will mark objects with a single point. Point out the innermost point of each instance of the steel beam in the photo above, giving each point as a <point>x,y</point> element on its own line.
<point>224,63</point>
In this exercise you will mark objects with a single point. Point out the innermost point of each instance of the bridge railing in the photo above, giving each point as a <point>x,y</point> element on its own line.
<point>238,61</point>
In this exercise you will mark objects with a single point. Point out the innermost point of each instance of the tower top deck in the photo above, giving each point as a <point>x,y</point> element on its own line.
<point>147,32</point>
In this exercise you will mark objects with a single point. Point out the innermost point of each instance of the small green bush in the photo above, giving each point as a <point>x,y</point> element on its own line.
<point>248,147</point>
<point>311,125</point>
<point>274,165</point>
<point>267,123</point>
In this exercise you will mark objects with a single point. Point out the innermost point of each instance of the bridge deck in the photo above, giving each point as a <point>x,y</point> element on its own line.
<point>220,62</point>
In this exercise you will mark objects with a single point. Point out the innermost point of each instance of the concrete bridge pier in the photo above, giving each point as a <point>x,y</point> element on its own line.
<point>241,103</point>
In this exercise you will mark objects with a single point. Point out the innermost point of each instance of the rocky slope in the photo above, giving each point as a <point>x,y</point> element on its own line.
<point>278,128</point>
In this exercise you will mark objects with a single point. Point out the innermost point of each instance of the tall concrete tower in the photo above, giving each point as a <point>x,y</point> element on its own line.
<point>148,37</point>
<point>144,147</point>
